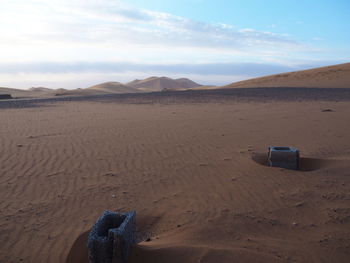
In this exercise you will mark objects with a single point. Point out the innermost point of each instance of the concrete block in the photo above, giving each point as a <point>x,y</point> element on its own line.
<point>112,237</point>
<point>284,157</point>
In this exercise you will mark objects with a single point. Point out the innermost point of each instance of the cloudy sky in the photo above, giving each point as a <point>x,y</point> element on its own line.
<point>79,43</point>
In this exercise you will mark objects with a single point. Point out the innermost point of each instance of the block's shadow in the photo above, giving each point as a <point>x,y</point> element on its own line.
<point>79,252</point>
<point>305,164</point>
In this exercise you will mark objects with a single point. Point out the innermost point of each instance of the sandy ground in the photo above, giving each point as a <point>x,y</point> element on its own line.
<point>193,172</point>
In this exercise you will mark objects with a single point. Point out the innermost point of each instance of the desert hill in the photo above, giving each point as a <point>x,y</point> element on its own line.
<point>113,87</point>
<point>47,93</point>
<point>74,92</point>
<point>187,83</point>
<point>40,89</point>
<point>337,76</point>
<point>162,83</point>
<point>145,85</point>
<point>103,88</point>
<point>17,93</point>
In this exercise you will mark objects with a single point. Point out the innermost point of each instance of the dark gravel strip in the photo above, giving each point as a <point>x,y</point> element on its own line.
<point>198,96</point>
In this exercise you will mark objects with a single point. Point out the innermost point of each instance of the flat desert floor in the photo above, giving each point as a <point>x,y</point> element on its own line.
<point>193,171</point>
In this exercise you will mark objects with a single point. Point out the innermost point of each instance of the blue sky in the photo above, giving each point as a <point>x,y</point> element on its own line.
<point>303,18</point>
<point>78,43</point>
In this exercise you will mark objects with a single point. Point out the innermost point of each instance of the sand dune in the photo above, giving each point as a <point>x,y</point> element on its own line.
<point>35,92</point>
<point>194,172</point>
<point>162,83</point>
<point>113,87</point>
<point>16,92</point>
<point>187,83</point>
<point>104,88</point>
<point>40,89</point>
<point>146,85</point>
<point>75,92</point>
<point>337,76</point>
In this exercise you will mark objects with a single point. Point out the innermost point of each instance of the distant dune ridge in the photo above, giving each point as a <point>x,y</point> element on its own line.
<point>162,83</point>
<point>17,92</point>
<point>337,76</point>
<point>113,87</point>
<point>39,89</point>
<point>103,88</point>
<point>145,85</point>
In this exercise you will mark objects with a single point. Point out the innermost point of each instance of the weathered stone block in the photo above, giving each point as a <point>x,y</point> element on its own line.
<point>284,157</point>
<point>112,237</point>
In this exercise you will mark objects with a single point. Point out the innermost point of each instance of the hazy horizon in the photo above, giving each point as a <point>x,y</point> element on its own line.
<point>77,44</point>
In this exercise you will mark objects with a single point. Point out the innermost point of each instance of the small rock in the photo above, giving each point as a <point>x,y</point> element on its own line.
<point>110,174</point>
<point>113,196</point>
<point>299,204</point>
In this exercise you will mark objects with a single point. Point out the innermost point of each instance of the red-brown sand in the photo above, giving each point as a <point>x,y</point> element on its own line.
<point>194,173</point>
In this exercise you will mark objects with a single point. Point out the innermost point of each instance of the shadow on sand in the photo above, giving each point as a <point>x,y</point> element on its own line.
<point>79,252</point>
<point>305,165</point>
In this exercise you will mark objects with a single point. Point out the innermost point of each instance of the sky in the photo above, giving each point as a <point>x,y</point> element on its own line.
<point>80,43</point>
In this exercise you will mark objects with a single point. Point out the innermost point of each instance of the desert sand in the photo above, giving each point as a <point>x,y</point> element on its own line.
<point>337,76</point>
<point>113,87</point>
<point>192,167</point>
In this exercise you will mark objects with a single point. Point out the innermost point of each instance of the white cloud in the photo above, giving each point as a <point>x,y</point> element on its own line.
<point>63,25</point>
<point>81,41</point>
